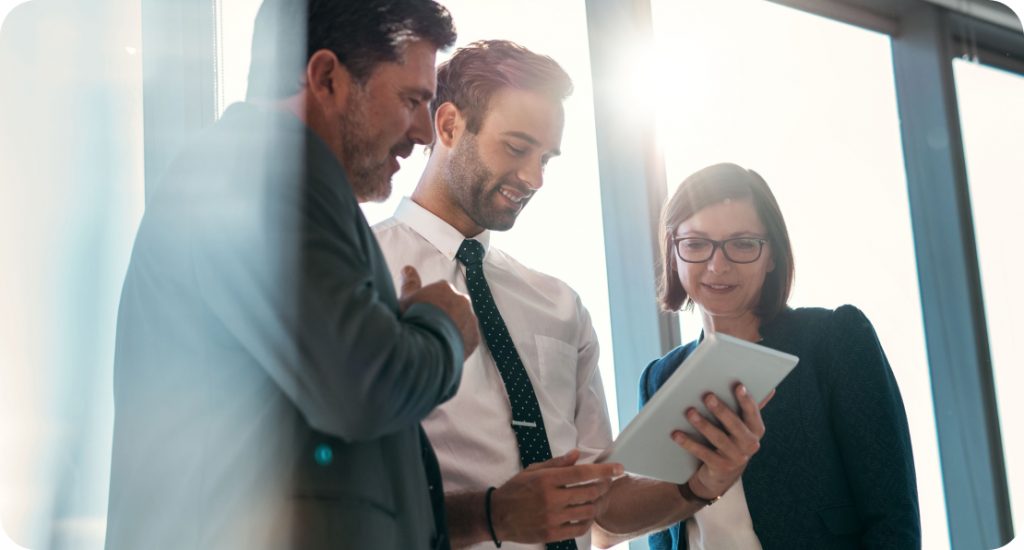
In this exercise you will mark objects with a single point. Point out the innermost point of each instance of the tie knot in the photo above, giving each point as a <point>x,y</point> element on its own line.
<point>470,253</point>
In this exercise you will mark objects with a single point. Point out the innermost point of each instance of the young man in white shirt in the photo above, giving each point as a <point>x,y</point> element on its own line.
<point>498,120</point>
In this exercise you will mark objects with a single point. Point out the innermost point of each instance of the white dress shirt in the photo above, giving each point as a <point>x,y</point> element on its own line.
<point>724,526</point>
<point>472,433</point>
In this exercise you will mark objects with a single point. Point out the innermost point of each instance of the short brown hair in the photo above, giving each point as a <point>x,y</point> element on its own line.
<point>477,71</point>
<point>361,33</point>
<point>710,186</point>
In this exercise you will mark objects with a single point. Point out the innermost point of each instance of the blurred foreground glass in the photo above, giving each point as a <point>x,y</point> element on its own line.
<point>991,105</point>
<point>739,83</point>
<point>541,234</point>
<point>71,196</point>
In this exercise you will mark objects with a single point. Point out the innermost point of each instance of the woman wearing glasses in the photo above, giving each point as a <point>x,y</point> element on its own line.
<point>835,468</point>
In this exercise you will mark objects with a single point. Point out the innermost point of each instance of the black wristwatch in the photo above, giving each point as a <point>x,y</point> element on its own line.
<point>689,496</point>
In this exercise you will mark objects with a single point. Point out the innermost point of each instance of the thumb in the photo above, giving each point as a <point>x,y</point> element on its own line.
<point>568,459</point>
<point>410,280</point>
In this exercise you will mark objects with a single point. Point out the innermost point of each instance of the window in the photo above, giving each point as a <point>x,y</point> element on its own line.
<point>71,197</point>
<point>820,125</point>
<point>234,46</point>
<point>543,238</point>
<point>992,123</point>
<point>806,101</point>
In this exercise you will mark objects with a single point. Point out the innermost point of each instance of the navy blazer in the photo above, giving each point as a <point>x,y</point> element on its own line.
<point>835,469</point>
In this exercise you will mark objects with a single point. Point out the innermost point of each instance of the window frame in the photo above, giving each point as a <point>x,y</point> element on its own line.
<point>180,98</point>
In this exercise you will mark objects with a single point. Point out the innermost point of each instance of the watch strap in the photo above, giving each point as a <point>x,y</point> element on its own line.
<point>688,495</point>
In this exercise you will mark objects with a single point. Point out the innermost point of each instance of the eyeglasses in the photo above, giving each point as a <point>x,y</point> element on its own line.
<point>741,250</point>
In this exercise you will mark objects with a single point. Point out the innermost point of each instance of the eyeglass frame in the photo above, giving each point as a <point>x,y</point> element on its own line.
<point>719,245</point>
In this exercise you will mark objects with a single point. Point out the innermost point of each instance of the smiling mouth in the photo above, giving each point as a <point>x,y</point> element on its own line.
<point>513,195</point>
<point>718,288</point>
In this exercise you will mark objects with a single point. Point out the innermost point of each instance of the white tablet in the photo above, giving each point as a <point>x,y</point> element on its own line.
<point>720,361</point>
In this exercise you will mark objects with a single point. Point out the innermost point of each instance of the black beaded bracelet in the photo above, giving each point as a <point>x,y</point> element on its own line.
<point>490,524</point>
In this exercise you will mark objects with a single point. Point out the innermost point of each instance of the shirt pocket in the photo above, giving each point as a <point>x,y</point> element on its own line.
<point>557,363</point>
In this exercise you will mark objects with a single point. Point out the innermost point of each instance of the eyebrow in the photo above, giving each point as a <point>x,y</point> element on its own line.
<point>530,139</point>
<point>738,234</point>
<point>423,93</point>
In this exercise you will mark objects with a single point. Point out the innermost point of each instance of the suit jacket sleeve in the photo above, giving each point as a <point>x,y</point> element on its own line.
<point>871,430</point>
<point>298,280</point>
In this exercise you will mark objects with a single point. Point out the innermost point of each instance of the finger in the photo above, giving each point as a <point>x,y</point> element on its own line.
<point>765,401</point>
<point>586,494</point>
<point>703,453</point>
<point>410,280</point>
<point>734,427</point>
<point>568,459</point>
<point>470,342</point>
<point>583,473</point>
<point>472,323</point>
<point>574,514</point>
<point>751,412</point>
<point>570,531</point>
<point>715,436</point>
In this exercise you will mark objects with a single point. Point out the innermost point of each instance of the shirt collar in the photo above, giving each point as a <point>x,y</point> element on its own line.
<point>445,238</point>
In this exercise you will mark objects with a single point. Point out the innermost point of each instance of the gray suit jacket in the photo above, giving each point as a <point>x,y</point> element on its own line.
<point>268,392</point>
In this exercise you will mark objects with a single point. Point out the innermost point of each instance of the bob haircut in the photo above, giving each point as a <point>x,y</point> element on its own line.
<point>710,186</point>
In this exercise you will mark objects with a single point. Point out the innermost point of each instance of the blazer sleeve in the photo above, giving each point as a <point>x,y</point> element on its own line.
<point>292,279</point>
<point>668,538</point>
<point>646,389</point>
<point>871,430</point>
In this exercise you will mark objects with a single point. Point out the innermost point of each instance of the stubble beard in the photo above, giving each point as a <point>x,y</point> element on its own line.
<point>469,184</point>
<point>369,177</point>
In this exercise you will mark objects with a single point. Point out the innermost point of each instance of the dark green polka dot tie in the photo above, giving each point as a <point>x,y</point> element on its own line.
<point>526,418</point>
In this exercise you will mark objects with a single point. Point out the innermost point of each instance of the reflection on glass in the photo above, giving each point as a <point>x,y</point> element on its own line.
<point>234,44</point>
<point>992,122</point>
<point>541,239</point>
<point>737,82</point>
<point>71,192</point>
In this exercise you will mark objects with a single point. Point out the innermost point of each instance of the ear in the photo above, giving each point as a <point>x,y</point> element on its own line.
<point>328,81</point>
<point>448,124</point>
<point>771,263</point>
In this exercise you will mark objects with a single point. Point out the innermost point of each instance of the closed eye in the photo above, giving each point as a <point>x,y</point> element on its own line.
<point>695,244</point>
<point>745,244</point>
<point>515,151</point>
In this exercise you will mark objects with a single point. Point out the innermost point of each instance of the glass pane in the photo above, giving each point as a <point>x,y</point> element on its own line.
<point>573,252</point>
<point>992,121</point>
<point>541,239</point>
<point>71,197</point>
<point>820,124</point>
<point>234,44</point>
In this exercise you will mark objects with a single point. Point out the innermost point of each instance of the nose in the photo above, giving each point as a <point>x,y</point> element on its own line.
<point>532,174</point>
<point>718,262</point>
<point>421,131</point>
